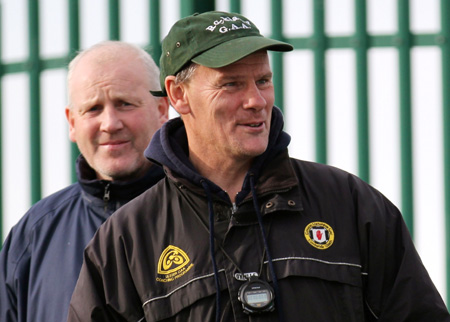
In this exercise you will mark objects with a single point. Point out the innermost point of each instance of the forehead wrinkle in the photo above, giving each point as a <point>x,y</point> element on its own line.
<point>115,88</point>
<point>243,75</point>
<point>236,71</point>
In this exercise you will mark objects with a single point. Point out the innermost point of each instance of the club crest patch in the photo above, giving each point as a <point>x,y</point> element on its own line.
<point>319,234</point>
<point>173,263</point>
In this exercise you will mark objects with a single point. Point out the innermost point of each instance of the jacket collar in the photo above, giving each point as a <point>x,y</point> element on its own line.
<point>169,148</point>
<point>119,190</point>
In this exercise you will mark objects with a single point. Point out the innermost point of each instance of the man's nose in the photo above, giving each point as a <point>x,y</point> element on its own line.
<point>253,97</point>
<point>110,119</point>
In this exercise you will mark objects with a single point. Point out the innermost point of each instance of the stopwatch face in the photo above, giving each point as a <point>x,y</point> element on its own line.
<point>256,297</point>
<point>259,298</point>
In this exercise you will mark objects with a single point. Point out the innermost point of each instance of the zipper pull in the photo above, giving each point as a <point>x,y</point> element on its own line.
<point>106,196</point>
<point>234,208</point>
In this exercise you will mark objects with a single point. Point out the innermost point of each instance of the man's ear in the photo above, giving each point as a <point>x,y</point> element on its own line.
<point>163,109</point>
<point>71,121</point>
<point>177,95</point>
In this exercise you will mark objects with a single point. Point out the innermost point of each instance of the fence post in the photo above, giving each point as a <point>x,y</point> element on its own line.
<point>277,57</point>
<point>404,44</point>
<point>235,6</point>
<point>318,44</point>
<point>114,19</point>
<point>74,46</point>
<point>361,46</point>
<point>189,7</point>
<point>444,41</point>
<point>155,30</point>
<point>1,135</point>
<point>35,99</point>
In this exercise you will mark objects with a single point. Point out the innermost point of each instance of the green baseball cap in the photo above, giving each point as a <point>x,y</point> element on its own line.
<point>213,39</point>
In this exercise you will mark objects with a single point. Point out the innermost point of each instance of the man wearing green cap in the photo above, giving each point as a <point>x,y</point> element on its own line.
<point>238,230</point>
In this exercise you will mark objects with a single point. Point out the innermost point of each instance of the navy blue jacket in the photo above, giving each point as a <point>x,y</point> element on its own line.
<point>41,258</point>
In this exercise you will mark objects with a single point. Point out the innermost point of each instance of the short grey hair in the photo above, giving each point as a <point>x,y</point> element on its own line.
<point>186,73</point>
<point>113,45</point>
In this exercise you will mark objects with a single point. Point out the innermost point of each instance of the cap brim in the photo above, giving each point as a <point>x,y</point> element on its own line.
<point>158,93</point>
<point>236,49</point>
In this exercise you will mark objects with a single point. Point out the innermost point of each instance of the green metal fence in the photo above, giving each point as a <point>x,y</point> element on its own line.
<point>318,43</point>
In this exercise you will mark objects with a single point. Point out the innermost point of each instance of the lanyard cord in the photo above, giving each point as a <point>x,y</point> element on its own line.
<point>266,246</point>
<point>211,232</point>
<point>211,248</point>
<point>265,252</point>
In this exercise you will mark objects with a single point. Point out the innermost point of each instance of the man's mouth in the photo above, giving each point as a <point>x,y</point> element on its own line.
<point>254,124</point>
<point>114,145</point>
<point>114,142</point>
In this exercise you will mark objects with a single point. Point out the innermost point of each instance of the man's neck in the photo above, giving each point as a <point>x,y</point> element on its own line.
<point>228,174</point>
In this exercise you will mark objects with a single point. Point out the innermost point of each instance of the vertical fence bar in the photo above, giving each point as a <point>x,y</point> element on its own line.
<point>1,129</point>
<point>404,48</point>
<point>277,58</point>
<point>155,30</point>
<point>318,43</point>
<point>114,19</point>
<point>74,27</point>
<point>35,99</point>
<point>361,47</point>
<point>445,52</point>
<point>188,7</point>
<point>74,46</point>
<point>235,6</point>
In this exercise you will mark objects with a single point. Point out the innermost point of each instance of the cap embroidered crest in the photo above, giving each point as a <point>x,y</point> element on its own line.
<point>213,39</point>
<point>319,234</point>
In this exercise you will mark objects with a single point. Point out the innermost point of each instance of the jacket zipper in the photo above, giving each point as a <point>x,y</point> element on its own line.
<point>106,196</point>
<point>234,208</point>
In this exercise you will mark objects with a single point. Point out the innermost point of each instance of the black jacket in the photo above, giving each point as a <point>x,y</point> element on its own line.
<point>339,249</point>
<point>42,255</point>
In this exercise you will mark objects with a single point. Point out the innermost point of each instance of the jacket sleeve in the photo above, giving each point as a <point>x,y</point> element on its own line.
<point>8,296</point>
<point>105,290</point>
<point>397,285</point>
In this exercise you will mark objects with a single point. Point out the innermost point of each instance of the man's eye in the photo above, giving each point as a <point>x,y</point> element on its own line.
<point>94,108</point>
<point>126,104</point>
<point>231,85</point>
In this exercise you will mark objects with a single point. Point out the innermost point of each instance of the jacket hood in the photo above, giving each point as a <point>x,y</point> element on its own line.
<point>120,190</point>
<point>169,147</point>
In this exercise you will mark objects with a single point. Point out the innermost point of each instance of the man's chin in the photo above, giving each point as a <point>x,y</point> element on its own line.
<point>120,173</point>
<point>254,151</point>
